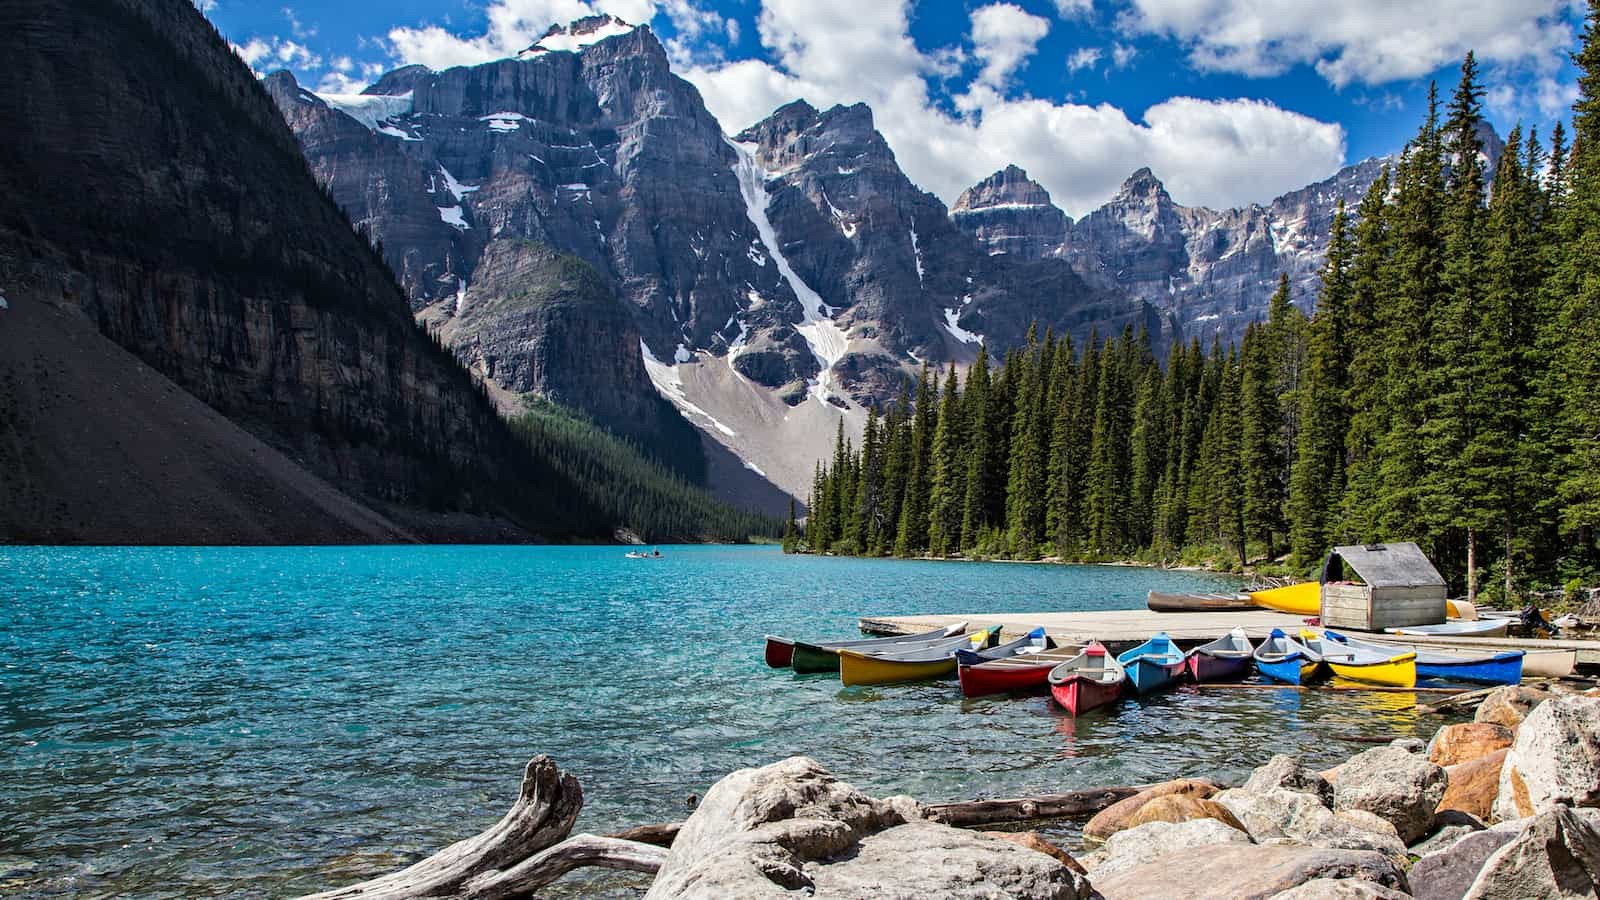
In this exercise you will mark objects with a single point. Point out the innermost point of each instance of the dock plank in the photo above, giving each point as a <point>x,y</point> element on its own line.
<point>1120,628</point>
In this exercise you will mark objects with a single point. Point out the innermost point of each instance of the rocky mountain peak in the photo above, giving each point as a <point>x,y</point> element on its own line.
<point>400,81</point>
<point>1008,212</point>
<point>1010,186</point>
<point>1143,185</point>
<point>577,35</point>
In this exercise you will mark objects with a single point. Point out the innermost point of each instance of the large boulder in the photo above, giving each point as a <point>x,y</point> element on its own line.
<point>1117,816</point>
<point>1472,786</point>
<point>1449,826</point>
<point>1556,855</point>
<point>791,826</point>
<point>1555,760</point>
<point>1138,845</point>
<point>1456,744</point>
<point>1341,889</point>
<point>1244,872</point>
<point>1446,874</point>
<point>1175,808</point>
<point>1509,705</point>
<point>1294,817</point>
<point>1289,773</point>
<point>1395,784</point>
<point>1036,842</point>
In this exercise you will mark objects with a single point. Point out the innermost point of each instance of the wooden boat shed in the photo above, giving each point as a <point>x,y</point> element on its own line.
<point>1398,587</point>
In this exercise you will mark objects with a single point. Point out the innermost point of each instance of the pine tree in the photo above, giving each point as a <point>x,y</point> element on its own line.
<point>1404,331</point>
<point>1025,482</point>
<point>1109,479</point>
<point>947,487</point>
<point>1365,396</point>
<point>1449,380</point>
<point>1317,476</point>
<point>911,534</point>
<point>976,410</point>
<point>896,463</point>
<point>1063,371</point>
<point>1575,285</point>
<point>1261,423</point>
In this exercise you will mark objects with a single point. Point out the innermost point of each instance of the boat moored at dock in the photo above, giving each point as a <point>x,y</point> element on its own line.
<point>1224,659</point>
<point>1369,663</point>
<point>1282,658</point>
<point>805,657</point>
<point>1089,680</point>
<point>891,666</point>
<point>1153,664</point>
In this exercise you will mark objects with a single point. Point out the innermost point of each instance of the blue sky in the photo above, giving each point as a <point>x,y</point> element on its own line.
<point>1229,101</point>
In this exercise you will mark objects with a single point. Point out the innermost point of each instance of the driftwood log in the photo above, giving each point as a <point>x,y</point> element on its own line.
<point>965,814</point>
<point>972,813</point>
<point>525,850</point>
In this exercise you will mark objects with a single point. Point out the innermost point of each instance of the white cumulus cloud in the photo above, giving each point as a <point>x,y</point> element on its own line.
<point>1208,152</point>
<point>1357,41</point>
<point>513,26</point>
<point>1004,35</point>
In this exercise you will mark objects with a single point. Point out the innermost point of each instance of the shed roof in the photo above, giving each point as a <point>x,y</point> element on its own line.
<point>1390,565</point>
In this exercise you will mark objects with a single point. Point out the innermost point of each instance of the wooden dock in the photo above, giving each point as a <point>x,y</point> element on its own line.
<point>1120,629</point>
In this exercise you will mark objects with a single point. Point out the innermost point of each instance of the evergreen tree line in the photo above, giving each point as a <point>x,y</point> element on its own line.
<point>620,487</point>
<point>1445,390</point>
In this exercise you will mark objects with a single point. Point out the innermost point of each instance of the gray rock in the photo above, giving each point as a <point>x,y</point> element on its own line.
<point>1396,784</point>
<point>1295,817</point>
<point>1450,825</point>
<point>1138,845</point>
<point>1245,872</point>
<point>1446,874</point>
<point>1556,855</point>
<point>791,826</point>
<point>1410,744</point>
<point>1340,889</point>
<point>1289,773</point>
<point>1555,760</point>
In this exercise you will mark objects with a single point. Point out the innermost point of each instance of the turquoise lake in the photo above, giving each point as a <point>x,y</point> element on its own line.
<point>249,721</point>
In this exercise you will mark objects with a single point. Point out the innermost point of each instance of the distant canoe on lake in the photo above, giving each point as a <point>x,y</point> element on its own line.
<point>1158,601</point>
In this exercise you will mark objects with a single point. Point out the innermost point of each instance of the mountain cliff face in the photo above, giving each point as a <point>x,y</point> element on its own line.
<point>1208,272</point>
<point>160,238</point>
<point>786,276</point>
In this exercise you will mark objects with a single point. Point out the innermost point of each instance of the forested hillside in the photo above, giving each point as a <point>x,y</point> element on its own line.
<point>1446,390</point>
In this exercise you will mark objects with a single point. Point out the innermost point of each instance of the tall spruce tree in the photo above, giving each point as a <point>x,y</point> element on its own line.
<point>1575,285</point>
<point>1316,481</point>
<point>947,485</point>
<point>978,412</point>
<point>911,532</point>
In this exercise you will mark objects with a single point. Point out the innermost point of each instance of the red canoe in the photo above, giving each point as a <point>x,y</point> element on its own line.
<point>1087,681</point>
<point>1014,674</point>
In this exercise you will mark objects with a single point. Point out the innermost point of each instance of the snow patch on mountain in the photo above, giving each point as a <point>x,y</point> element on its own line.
<point>669,383</point>
<point>956,331</point>
<point>578,35</point>
<point>371,110</point>
<point>821,333</point>
<point>452,215</point>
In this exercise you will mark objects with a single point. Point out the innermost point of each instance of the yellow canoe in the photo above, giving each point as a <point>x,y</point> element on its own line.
<point>1358,664</point>
<point>861,668</point>
<point>887,667</point>
<point>1303,599</point>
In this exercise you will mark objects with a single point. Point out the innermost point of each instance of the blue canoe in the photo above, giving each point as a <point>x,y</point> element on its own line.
<point>1033,641</point>
<point>1153,664</point>
<point>1282,658</point>
<point>1496,667</point>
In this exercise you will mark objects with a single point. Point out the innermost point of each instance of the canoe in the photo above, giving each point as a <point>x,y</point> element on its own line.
<point>1282,658</point>
<point>1032,642</point>
<point>1388,666</point>
<point>919,664</point>
<point>1458,628</point>
<point>807,657</point>
<point>1303,599</point>
<point>1153,664</point>
<point>1494,667</point>
<point>780,650</point>
<point>1089,680</point>
<point>1014,674</point>
<point>1224,659</point>
<point>1556,663</point>
<point>1161,602</point>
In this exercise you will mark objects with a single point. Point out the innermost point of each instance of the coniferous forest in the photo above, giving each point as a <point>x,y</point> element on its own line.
<point>1445,389</point>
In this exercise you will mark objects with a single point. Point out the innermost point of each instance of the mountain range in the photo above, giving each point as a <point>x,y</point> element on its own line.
<point>770,284</point>
<point>197,347</point>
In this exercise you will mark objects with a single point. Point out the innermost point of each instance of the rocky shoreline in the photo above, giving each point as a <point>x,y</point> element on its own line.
<point>1504,806</point>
